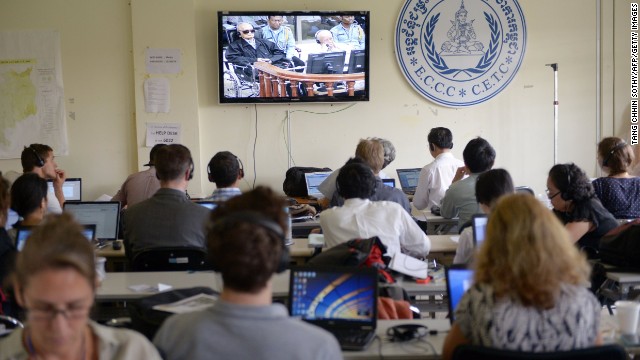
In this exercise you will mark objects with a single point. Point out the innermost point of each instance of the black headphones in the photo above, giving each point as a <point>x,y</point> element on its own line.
<point>255,218</point>
<point>615,148</point>
<point>407,332</point>
<point>564,192</point>
<point>39,161</point>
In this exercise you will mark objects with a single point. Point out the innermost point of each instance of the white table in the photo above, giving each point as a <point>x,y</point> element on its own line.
<point>436,224</point>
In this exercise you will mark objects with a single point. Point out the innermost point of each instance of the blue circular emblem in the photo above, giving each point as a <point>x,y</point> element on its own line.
<point>460,54</point>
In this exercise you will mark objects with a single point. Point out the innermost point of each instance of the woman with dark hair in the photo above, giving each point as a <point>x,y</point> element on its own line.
<point>575,204</point>
<point>619,192</point>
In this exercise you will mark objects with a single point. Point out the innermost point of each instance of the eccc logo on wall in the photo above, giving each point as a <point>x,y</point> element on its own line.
<point>460,53</point>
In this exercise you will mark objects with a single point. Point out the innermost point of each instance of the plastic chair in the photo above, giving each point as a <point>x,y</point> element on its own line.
<point>474,352</point>
<point>170,259</point>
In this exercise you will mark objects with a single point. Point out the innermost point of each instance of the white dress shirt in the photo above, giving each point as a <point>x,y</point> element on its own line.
<point>435,179</point>
<point>359,218</point>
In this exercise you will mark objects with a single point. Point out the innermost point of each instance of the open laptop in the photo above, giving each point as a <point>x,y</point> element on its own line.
<point>71,188</point>
<point>409,180</point>
<point>389,182</point>
<point>23,232</point>
<point>209,204</point>
<point>313,180</point>
<point>341,300</point>
<point>12,218</point>
<point>479,226</point>
<point>459,279</point>
<point>104,214</point>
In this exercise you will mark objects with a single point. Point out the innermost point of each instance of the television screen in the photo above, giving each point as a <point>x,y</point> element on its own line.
<point>293,56</point>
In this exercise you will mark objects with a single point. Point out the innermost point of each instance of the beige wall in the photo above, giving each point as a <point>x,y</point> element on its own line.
<point>103,56</point>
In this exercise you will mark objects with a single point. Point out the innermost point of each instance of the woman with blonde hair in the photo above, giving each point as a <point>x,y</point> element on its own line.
<point>530,288</point>
<point>55,282</point>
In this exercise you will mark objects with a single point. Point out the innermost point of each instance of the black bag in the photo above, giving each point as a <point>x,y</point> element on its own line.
<point>147,321</point>
<point>294,184</point>
<point>621,246</point>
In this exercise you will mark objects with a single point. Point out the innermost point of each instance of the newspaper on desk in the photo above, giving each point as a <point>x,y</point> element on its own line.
<point>190,304</point>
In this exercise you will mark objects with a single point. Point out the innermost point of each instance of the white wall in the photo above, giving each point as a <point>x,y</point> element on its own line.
<point>104,69</point>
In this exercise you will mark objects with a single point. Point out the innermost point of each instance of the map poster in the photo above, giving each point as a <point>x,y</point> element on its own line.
<point>31,92</point>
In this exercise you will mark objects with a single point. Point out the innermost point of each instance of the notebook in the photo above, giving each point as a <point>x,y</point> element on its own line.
<point>71,188</point>
<point>459,279</point>
<point>408,179</point>
<point>389,182</point>
<point>23,232</point>
<point>313,180</point>
<point>104,214</point>
<point>479,225</point>
<point>340,300</point>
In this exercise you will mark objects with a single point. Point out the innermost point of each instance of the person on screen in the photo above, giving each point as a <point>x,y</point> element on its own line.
<point>436,177</point>
<point>141,185</point>
<point>39,159</point>
<point>28,200</point>
<point>226,171</point>
<point>349,33</point>
<point>283,37</point>
<point>529,290</point>
<point>55,282</point>
<point>247,50</point>
<point>245,239</point>
<point>325,39</point>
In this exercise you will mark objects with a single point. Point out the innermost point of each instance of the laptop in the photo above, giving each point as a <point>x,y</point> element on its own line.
<point>23,232</point>
<point>12,218</point>
<point>459,279</point>
<point>313,180</point>
<point>341,300</point>
<point>479,226</point>
<point>409,179</point>
<point>389,182</point>
<point>71,188</point>
<point>209,204</point>
<point>105,215</point>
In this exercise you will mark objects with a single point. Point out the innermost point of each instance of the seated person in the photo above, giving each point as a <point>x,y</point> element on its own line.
<point>141,185</point>
<point>28,200</point>
<point>7,248</point>
<point>248,50</point>
<point>349,33</point>
<point>282,36</point>
<point>574,202</point>
<point>169,218</point>
<point>529,289</point>
<point>618,192</point>
<point>226,171</point>
<point>372,153</point>
<point>325,39</point>
<point>435,177</point>
<point>460,199</point>
<point>39,159</point>
<point>55,281</point>
<point>246,245</point>
<point>360,217</point>
<point>491,185</point>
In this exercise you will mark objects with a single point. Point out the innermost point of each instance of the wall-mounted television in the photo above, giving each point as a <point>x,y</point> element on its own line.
<point>293,56</point>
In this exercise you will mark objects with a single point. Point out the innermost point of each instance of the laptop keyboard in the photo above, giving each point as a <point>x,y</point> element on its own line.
<point>353,339</point>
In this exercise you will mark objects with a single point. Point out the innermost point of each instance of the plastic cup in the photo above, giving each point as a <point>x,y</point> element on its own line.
<point>627,313</point>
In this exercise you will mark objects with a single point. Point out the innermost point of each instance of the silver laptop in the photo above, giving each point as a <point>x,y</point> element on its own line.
<point>71,188</point>
<point>408,180</point>
<point>313,180</point>
<point>104,214</point>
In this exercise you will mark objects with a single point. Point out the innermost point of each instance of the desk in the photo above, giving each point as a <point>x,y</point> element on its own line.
<point>625,282</point>
<point>436,224</point>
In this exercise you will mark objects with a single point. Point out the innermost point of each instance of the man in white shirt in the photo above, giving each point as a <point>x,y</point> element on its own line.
<point>39,159</point>
<point>435,177</point>
<point>361,218</point>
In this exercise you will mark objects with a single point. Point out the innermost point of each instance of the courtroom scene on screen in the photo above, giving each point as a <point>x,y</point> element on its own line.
<point>293,56</point>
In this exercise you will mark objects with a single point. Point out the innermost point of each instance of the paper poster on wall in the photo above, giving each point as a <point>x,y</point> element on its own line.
<point>157,95</point>
<point>163,133</point>
<point>31,92</point>
<point>163,61</point>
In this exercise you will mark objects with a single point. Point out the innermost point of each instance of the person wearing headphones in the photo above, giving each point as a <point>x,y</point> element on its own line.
<point>248,50</point>
<point>246,243</point>
<point>360,217</point>
<point>141,185</point>
<point>168,218</point>
<point>325,39</point>
<point>226,171</point>
<point>619,192</point>
<point>29,201</point>
<point>348,32</point>
<point>436,177</point>
<point>574,202</point>
<point>39,159</point>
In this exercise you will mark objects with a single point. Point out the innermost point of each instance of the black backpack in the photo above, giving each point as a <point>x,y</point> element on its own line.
<point>294,184</point>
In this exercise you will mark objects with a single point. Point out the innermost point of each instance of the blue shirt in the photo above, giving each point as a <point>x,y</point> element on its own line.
<point>224,194</point>
<point>353,36</point>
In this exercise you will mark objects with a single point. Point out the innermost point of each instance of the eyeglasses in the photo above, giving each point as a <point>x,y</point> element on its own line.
<point>48,314</point>
<point>551,196</point>
<point>248,31</point>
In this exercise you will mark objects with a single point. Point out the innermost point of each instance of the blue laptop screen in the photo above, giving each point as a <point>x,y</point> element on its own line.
<point>408,177</point>
<point>458,281</point>
<point>479,228</point>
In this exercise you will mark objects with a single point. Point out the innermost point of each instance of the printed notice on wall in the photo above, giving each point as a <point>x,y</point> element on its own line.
<point>163,61</point>
<point>157,95</point>
<point>163,133</point>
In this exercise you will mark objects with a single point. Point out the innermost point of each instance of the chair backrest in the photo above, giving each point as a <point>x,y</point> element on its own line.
<point>170,259</point>
<point>474,352</point>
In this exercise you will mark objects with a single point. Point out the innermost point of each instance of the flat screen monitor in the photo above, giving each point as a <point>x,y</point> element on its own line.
<point>326,63</point>
<point>104,214</point>
<point>72,189</point>
<point>286,43</point>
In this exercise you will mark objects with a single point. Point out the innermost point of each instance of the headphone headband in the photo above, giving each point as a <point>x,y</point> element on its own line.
<point>618,146</point>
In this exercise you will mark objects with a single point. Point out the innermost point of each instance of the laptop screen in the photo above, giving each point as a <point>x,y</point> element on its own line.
<point>22,233</point>
<point>389,182</point>
<point>314,180</point>
<point>459,279</point>
<point>408,178</point>
<point>104,214</point>
<point>341,297</point>
<point>12,218</point>
<point>72,189</point>
<point>479,223</point>
<point>208,204</point>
